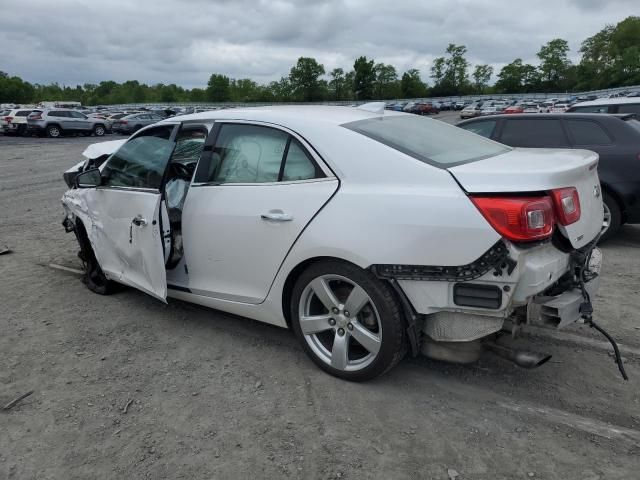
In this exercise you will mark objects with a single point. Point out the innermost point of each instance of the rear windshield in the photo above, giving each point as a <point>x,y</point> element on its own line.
<point>430,141</point>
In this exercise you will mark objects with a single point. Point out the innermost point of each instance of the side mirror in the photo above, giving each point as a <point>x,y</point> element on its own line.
<point>89,179</point>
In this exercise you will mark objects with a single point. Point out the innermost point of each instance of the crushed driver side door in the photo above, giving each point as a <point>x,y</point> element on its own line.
<point>124,218</point>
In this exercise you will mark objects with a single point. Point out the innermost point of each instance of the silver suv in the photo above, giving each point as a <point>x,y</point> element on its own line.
<point>55,122</point>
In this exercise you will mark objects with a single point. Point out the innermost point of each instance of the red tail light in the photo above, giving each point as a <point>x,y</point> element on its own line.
<point>8,119</point>
<point>34,116</point>
<point>520,219</point>
<point>567,203</point>
<point>123,122</point>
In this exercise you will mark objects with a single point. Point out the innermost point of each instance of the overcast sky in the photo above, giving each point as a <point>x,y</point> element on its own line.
<point>75,42</point>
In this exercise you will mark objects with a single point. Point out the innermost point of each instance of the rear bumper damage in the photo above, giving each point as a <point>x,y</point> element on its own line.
<point>459,310</point>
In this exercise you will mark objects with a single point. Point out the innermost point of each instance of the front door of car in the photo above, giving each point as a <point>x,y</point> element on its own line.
<point>81,121</point>
<point>251,198</point>
<point>63,117</point>
<point>129,225</point>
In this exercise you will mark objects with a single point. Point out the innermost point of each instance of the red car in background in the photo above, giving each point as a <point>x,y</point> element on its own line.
<point>514,109</point>
<point>421,108</point>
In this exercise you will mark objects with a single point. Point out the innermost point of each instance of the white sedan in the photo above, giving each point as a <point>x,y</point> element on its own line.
<point>370,233</point>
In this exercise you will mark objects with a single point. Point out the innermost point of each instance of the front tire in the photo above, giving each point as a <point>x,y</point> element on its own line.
<point>94,278</point>
<point>347,320</point>
<point>612,217</point>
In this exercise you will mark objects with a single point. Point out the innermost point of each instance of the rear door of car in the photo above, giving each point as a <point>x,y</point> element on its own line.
<point>533,133</point>
<point>252,196</point>
<point>79,121</point>
<point>608,138</point>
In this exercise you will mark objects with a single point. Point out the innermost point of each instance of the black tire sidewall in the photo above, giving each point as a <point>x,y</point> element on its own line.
<point>393,345</point>
<point>616,217</point>
<point>49,128</point>
<point>94,278</point>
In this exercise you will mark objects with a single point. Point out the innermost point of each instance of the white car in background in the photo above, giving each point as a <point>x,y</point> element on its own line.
<point>368,232</point>
<point>560,107</point>
<point>15,121</point>
<point>531,108</point>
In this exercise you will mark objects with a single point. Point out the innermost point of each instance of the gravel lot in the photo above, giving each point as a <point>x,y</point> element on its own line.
<point>209,395</point>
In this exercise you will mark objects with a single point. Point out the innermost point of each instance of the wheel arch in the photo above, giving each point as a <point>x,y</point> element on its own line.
<point>292,278</point>
<point>294,274</point>
<point>606,188</point>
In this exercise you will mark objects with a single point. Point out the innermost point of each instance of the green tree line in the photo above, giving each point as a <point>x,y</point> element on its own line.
<point>610,58</point>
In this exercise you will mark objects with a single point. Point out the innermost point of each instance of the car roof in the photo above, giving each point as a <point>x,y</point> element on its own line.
<point>569,116</point>
<point>290,116</point>
<point>609,101</point>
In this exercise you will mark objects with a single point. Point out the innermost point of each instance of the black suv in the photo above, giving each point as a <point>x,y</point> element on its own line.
<point>615,138</point>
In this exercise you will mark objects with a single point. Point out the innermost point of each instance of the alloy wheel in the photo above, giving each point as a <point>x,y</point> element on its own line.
<point>340,322</point>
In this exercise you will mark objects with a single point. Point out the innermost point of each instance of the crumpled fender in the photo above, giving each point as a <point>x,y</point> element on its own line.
<point>78,203</point>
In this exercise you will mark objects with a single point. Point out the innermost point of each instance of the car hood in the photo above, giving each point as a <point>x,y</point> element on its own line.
<point>96,150</point>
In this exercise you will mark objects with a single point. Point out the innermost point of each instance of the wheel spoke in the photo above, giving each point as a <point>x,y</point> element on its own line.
<point>340,352</point>
<point>357,299</point>
<point>314,324</point>
<point>324,293</point>
<point>366,338</point>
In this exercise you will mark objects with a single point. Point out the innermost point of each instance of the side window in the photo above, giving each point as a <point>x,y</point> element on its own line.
<point>78,115</point>
<point>629,108</point>
<point>533,133</point>
<point>586,132</point>
<point>23,113</point>
<point>189,145</point>
<point>298,165</point>
<point>56,113</point>
<point>485,128</point>
<point>141,162</point>
<point>248,154</point>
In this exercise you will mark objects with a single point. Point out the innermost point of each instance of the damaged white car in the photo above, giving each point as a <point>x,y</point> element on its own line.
<point>370,233</point>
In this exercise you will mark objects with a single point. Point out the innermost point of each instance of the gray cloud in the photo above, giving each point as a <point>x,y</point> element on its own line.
<point>183,42</point>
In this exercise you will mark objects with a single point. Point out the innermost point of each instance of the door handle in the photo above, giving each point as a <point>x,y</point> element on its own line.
<point>277,216</point>
<point>139,221</point>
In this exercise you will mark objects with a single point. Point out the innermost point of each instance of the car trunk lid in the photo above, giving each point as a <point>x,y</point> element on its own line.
<point>541,170</point>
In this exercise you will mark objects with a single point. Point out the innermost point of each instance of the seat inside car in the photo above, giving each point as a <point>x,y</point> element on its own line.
<point>189,145</point>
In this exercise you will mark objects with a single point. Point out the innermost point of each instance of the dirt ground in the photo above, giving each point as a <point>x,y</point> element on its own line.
<point>208,395</point>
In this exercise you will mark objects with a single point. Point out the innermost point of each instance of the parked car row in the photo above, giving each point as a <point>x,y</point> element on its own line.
<point>55,122</point>
<point>424,107</point>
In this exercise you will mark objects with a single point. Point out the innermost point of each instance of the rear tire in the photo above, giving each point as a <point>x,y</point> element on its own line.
<point>612,217</point>
<point>358,345</point>
<point>54,131</point>
<point>99,130</point>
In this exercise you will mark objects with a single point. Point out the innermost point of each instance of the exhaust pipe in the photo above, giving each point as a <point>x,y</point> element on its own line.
<point>522,358</point>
